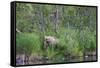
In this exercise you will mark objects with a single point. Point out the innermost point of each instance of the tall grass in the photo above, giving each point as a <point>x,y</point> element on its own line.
<point>28,43</point>
<point>71,42</point>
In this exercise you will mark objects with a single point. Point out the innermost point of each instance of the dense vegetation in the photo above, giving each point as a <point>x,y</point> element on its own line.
<point>74,26</point>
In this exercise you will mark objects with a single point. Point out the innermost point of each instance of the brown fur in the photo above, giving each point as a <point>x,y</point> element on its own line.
<point>50,40</point>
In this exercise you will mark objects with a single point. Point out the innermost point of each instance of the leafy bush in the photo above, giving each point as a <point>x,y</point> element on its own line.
<point>28,43</point>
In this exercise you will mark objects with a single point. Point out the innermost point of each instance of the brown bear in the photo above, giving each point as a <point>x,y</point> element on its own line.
<point>50,41</point>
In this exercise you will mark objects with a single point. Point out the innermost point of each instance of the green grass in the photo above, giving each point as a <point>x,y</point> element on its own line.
<point>71,41</point>
<point>28,43</point>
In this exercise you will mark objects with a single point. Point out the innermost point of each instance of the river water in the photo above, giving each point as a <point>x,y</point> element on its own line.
<point>67,59</point>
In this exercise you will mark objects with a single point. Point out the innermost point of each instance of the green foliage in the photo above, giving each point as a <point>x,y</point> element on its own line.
<point>88,39</point>
<point>28,43</point>
<point>74,27</point>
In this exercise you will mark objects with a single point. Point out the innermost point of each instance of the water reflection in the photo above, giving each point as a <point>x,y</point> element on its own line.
<point>45,60</point>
